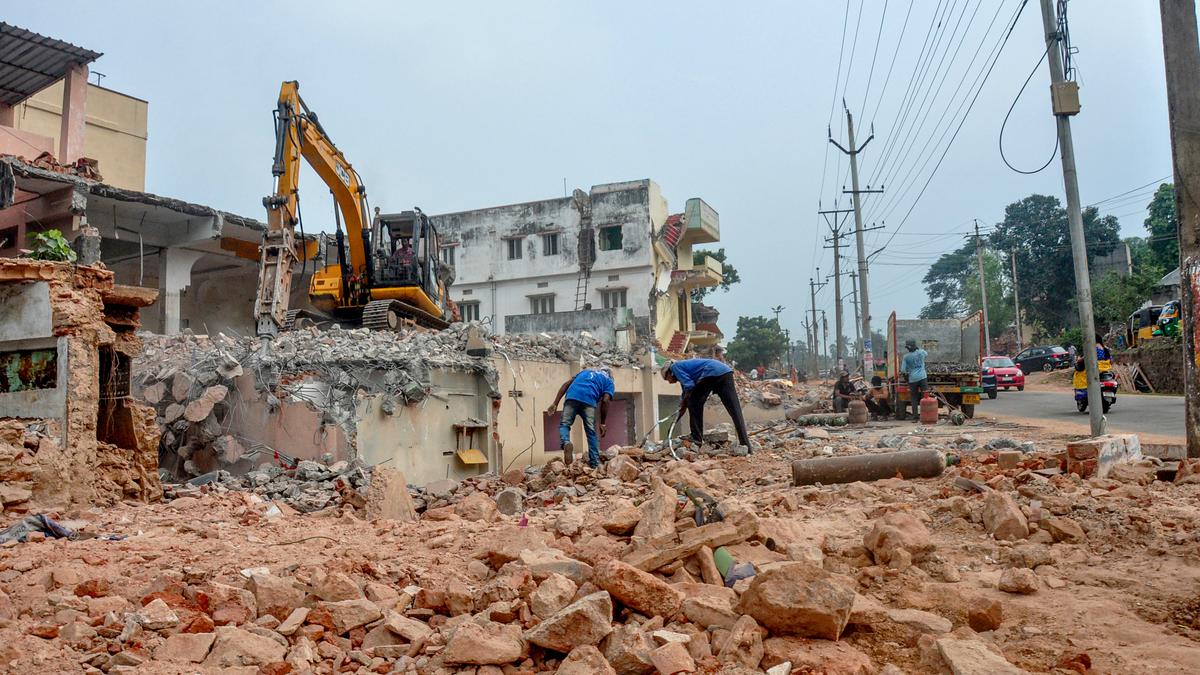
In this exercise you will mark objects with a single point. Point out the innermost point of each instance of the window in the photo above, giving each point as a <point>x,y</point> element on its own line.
<point>614,297</point>
<point>550,244</point>
<point>541,304</point>
<point>614,277</point>
<point>448,255</point>
<point>514,249</point>
<point>543,284</point>
<point>469,310</point>
<point>610,238</point>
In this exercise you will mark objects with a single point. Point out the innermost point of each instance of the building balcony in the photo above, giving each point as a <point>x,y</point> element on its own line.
<point>703,338</point>
<point>702,224</point>
<point>706,274</point>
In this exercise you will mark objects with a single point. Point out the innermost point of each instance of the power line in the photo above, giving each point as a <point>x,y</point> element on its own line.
<point>1140,187</point>
<point>922,157</point>
<point>892,65</point>
<point>853,49</point>
<point>933,84</point>
<point>1000,142</point>
<point>874,54</point>
<point>966,114</point>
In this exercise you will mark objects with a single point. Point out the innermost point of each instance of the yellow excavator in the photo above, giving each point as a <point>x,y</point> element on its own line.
<point>383,276</point>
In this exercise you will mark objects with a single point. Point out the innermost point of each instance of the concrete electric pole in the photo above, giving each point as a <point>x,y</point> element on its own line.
<point>858,344</point>
<point>777,309</point>
<point>813,287</point>
<point>835,231</point>
<point>987,330</point>
<point>1016,300</point>
<point>1064,97</point>
<point>858,234</point>
<point>1181,54</point>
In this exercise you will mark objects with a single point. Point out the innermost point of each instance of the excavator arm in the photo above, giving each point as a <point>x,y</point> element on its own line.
<point>299,135</point>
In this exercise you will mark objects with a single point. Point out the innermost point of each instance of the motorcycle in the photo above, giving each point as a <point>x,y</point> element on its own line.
<point>1108,389</point>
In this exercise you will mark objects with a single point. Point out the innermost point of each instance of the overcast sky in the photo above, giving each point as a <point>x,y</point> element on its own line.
<point>460,105</point>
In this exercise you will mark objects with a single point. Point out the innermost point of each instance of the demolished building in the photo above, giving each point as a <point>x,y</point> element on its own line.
<point>70,433</point>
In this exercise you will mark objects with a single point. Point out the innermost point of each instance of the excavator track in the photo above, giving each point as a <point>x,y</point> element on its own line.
<point>394,314</point>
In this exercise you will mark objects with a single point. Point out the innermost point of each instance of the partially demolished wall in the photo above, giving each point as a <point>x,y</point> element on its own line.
<point>69,431</point>
<point>411,399</point>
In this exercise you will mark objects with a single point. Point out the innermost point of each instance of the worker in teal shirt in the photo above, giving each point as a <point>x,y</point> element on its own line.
<point>587,390</point>
<point>913,366</point>
<point>699,378</point>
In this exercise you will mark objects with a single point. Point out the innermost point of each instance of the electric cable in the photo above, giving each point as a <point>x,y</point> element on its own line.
<point>874,54</point>
<point>1000,142</point>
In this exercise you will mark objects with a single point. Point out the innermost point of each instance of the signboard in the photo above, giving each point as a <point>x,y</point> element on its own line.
<point>868,357</point>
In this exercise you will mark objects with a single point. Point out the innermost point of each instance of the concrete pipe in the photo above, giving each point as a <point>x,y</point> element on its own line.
<point>905,463</point>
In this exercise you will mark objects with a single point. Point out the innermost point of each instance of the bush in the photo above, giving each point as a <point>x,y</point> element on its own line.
<point>51,245</point>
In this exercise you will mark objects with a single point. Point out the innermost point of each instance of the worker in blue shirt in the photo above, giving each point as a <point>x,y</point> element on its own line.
<point>698,378</point>
<point>584,392</point>
<point>913,366</point>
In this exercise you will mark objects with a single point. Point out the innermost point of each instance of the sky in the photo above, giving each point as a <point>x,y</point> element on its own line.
<point>459,105</point>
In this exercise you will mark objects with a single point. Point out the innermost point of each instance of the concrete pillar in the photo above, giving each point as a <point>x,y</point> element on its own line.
<point>174,275</point>
<point>74,114</point>
<point>8,115</point>
<point>648,401</point>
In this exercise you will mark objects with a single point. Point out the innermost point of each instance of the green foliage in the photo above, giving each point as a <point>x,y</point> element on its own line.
<point>728,272</point>
<point>1163,226</point>
<point>51,245</point>
<point>944,283</point>
<point>1035,230</point>
<point>759,341</point>
<point>1114,298</point>
<point>1070,336</point>
<point>1000,306</point>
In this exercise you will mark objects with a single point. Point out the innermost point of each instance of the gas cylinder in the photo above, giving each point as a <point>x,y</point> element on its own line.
<point>929,409</point>
<point>858,412</point>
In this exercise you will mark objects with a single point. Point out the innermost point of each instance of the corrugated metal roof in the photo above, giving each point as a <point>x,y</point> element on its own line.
<point>30,62</point>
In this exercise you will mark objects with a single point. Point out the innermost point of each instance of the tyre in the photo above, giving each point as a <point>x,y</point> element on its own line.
<point>1021,388</point>
<point>1105,406</point>
<point>1081,405</point>
<point>968,409</point>
<point>1047,367</point>
<point>992,393</point>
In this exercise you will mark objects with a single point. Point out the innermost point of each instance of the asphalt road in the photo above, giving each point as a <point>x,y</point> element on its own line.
<point>1131,413</point>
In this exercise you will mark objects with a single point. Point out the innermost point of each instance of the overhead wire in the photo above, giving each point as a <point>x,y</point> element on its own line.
<point>930,83</point>
<point>888,78</point>
<point>1000,140</point>
<point>915,132</point>
<point>922,158</point>
<point>966,114</point>
<point>874,55</point>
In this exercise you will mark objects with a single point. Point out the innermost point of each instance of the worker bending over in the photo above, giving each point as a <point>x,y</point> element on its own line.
<point>698,378</point>
<point>584,392</point>
<point>913,366</point>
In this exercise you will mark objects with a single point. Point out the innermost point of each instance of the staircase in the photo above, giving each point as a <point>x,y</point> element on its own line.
<point>678,342</point>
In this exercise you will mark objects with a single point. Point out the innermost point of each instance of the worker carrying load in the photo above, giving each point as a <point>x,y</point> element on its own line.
<point>698,378</point>
<point>584,392</point>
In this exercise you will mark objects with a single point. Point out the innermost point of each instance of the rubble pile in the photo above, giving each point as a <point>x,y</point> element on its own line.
<point>628,569</point>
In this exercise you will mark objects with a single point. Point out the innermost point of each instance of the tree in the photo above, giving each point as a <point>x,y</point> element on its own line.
<point>1115,297</point>
<point>944,283</point>
<point>759,341</point>
<point>1035,230</point>
<point>1163,226</point>
<point>1000,306</point>
<point>729,273</point>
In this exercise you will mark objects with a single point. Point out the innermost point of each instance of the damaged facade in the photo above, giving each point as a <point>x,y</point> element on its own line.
<point>70,433</point>
<point>605,261</point>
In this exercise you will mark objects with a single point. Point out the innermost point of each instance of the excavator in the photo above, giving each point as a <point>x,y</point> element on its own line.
<point>385,275</point>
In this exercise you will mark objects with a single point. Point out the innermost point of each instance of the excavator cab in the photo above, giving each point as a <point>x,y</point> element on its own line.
<point>406,255</point>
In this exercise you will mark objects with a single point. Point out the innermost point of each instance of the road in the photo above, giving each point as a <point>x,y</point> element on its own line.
<point>1142,414</point>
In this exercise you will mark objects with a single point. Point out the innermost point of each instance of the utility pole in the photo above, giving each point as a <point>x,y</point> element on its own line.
<point>825,343</point>
<point>858,343</point>
<point>1016,301</point>
<point>1182,58</point>
<point>1064,97</point>
<point>777,309</point>
<point>858,232</point>
<point>987,330</point>
<point>813,287</point>
<point>835,227</point>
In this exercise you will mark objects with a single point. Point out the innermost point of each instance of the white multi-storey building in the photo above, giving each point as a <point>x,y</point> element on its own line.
<point>597,260</point>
